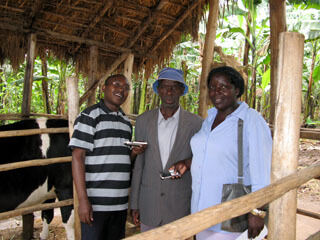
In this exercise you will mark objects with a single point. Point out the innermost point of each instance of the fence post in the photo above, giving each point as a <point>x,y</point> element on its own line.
<point>282,220</point>
<point>73,111</point>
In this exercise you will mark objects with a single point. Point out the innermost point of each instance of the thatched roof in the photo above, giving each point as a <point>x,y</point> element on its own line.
<point>67,28</point>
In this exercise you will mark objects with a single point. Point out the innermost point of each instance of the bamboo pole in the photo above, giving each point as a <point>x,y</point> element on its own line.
<point>208,55</point>
<point>28,77</point>
<point>38,207</point>
<point>197,222</point>
<point>33,163</point>
<point>127,71</point>
<point>28,132</point>
<point>73,111</point>
<point>93,70</point>
<point>282,219</point>
<point>277,25</point>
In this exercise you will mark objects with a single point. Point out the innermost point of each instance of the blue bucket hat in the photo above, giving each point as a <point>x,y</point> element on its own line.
<point>170,74</point>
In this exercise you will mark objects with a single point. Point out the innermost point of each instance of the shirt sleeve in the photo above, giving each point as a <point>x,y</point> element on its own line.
<point>83,134</point>
<point>259,150</point>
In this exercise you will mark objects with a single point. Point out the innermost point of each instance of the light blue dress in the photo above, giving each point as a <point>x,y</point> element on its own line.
<point>215,156</point>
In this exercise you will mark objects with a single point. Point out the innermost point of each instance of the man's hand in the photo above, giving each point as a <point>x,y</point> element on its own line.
<point>139,149</point>
<point>181,167</point>
<point>256,225</point>
<point>85,212</point>
<point>135,216</point>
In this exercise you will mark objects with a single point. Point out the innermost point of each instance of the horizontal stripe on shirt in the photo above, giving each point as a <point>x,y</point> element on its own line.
<point>107,193</point>
<point>108,168</point>
<point>110,150</point>
<point>110,184</point>
<point>92,160</point>
<point>108,200</point>
<point>105,208</point>
<point>108,176</point>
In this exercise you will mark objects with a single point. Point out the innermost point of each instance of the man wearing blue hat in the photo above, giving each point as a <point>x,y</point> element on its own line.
<point>155,198</point>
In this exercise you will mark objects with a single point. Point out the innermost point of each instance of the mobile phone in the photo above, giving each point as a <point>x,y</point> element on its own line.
<point>135,144</point>
<point>170,175</point>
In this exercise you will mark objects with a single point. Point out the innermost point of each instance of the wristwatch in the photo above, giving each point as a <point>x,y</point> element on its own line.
<point>258,213</point>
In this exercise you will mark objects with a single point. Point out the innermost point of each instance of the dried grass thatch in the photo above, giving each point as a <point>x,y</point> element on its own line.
<point>67,28</point>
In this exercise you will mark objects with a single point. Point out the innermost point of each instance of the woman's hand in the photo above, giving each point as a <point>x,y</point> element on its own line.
<point>256,224</point>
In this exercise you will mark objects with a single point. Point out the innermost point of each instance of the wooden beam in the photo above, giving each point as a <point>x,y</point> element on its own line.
<point>28,77</point>
<point>73,111</point>
<point>93,70</point>
<point>285,152</point>
<point>33,163</point>
<point>277,25</point>
<point>85,96</point>
<point>208,55</point>
<point>31,209</point>
<point>77,39</point>
<point>172,28</point>
<point>308,213</point>
<point>28,132</point>
<point>190,225</point>
<point>127,71</point>
<point>71,38</point>
<point>146,23</point>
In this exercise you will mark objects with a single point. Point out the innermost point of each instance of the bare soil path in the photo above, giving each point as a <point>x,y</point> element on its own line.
<point>308,199</point>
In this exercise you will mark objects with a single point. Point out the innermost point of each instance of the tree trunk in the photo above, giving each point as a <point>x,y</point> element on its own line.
<point>28,77</point>
<point>142,105</point>
<point>308,106</point>
<point>277,25</point>
<point>246,61</point>
<point>208,55</point>
<point>45,92</point>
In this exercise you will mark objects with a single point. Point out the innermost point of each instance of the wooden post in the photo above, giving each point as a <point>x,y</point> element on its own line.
<point>93,65</point>
<point>277,25</point>
<point>208,55</point>
<point>127,71</point>
<point>28,77</point>
<point>27,225</point>
<point>282,220</point>
<point>73,111</point>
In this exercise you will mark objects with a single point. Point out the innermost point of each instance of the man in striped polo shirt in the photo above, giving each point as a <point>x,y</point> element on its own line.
<point>101,163</point>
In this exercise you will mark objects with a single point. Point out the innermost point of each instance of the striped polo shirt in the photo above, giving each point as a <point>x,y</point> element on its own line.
<point>107,163</point>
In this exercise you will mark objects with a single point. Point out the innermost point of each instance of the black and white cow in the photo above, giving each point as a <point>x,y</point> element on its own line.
<point>33,185</point>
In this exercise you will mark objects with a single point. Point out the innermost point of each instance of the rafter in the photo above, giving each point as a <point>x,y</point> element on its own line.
<point>94,22</point>
<point>173,27</point>
<point>146,23</point>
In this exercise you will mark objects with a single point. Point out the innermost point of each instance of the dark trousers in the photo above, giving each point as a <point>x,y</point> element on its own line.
<point>106,226</point>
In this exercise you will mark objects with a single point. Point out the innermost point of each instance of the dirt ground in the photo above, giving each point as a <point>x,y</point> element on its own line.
<point>308,199</point>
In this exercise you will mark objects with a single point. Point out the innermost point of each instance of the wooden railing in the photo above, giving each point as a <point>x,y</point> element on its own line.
<point>195,223</point>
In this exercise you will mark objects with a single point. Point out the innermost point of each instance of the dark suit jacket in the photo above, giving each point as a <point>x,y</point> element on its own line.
<point>162,201</point>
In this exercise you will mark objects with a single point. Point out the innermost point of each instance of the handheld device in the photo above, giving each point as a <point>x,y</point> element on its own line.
<point>133,144</point>
<point>170,175</point>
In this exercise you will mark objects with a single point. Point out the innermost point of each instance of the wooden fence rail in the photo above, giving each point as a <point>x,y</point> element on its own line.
<point>195,223</point>
<point>27,132</point>
<point>34,163</point>
<point>38,207</point>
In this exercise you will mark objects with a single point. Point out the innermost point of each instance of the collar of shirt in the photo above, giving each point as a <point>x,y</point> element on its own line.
<point>174,118</point>
<point>240,112</point>
<point>107,110</point>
